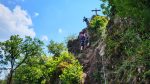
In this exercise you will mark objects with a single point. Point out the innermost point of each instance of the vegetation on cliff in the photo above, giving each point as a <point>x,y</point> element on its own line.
<point>128,40</point>
<point>98,27</point>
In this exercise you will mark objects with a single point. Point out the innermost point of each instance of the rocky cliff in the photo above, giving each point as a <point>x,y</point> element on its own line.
<point>91,59</point>
<point>120,50</point>
<point>107,61</point>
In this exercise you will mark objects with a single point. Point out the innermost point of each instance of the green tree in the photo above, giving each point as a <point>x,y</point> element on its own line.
<point>65,69</point>
<point>56,48</point>
<point>17,51</point>
<point>32,71</point>
<point>12,49</point>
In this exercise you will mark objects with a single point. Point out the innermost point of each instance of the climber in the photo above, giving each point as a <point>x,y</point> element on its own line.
<point>82,40</point>
<point>86,20</point>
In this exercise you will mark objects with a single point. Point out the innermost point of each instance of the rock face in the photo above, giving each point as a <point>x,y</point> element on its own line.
<point>73,46</point>
<point>92,60</point>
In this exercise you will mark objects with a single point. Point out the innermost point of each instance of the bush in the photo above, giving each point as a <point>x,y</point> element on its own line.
<point>98,26</point>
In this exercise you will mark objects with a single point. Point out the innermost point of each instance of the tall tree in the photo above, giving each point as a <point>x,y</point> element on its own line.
<point>17,51</point>
<point>12,51</point>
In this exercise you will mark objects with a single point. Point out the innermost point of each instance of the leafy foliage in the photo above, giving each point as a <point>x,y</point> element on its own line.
<point>41,70</point>
<point>31,72</point>
<point>72,74</point>
<point>38,68</point>
<point>98,26</point>
<point>12,52</point>
<point>17,52</point>
<point>63,64</point>
<point>129,42</point>
<point>56,48</point>
<point>106,8</point>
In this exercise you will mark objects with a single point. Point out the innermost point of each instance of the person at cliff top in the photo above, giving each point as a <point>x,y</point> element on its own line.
<point>86,20</point>
<point>82,40</point>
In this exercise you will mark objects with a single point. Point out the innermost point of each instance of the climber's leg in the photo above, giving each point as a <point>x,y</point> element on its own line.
<point>88,44</point>
<point>81,48</point>
<point>82,45</point>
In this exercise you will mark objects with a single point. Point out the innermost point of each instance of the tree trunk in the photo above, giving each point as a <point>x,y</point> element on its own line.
<point>9,80</point>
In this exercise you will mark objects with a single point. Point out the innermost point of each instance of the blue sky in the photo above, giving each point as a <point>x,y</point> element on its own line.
<point>45,19</point>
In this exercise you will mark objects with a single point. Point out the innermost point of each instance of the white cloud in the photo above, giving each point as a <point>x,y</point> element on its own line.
<point>60,30</point>
<point>36,14</point>
<point>16,21</point>
<point>44,38</point>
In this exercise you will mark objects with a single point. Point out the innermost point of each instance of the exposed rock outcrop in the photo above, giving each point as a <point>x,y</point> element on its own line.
<point>91,59</point>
